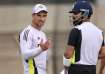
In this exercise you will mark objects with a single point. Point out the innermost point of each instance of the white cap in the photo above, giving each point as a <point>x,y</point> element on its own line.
<point>39,7</point>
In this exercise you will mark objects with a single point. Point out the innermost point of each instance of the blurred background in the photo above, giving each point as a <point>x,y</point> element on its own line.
<point>15,15</point>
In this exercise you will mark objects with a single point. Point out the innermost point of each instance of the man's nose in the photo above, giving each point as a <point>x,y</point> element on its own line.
<point>42,19</point>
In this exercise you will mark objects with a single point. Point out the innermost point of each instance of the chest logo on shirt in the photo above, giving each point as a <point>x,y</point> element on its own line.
<point>38,38</point>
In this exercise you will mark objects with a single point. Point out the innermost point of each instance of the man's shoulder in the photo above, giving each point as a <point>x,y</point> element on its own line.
<point>26,29</point>
<point>96,27</point>
<point>75,30</point>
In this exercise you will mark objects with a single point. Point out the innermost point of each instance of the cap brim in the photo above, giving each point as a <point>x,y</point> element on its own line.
<point>40,11</point>
<point>73,11</point>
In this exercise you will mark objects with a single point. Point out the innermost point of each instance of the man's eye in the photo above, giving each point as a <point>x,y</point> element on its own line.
<point>44,15</point>
<point>38,15</point>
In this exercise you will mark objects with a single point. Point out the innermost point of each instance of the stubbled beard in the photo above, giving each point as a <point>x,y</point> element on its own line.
<point>77,22</point>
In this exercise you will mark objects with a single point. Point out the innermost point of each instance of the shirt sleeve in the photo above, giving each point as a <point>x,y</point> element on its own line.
<point>25,46</point>
<point>73,37</point>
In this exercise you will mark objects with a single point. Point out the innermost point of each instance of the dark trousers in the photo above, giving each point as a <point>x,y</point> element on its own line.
<point>82,69</point>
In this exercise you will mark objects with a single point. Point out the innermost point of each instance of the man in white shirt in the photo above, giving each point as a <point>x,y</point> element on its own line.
<point>84,43</point>
<point>34,43</point>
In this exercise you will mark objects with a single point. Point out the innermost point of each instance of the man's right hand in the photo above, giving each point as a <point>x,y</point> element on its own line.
<point>45,45</point>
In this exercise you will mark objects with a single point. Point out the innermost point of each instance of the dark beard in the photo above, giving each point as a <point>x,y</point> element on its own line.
<point>75,23</point>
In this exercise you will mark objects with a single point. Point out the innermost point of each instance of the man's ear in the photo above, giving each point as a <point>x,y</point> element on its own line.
<point>84,17</point>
